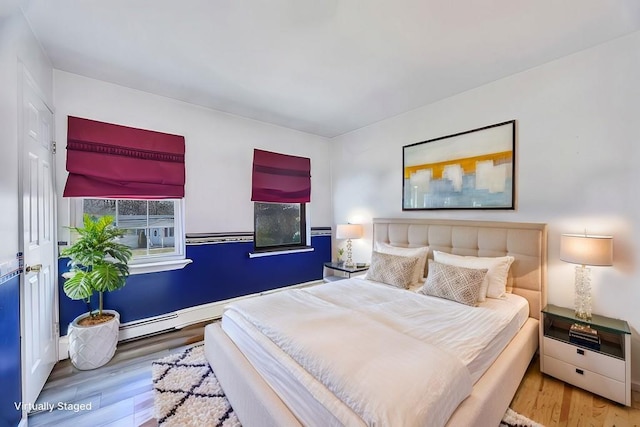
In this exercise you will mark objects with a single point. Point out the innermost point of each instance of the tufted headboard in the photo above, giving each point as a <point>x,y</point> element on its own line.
<point>526,242</point>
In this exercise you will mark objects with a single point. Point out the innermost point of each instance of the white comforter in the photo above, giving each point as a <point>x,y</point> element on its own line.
<point>377,348</point>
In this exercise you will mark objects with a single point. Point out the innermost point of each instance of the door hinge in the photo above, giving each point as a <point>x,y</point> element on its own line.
<point>57,328</point>
<point>53,147</point>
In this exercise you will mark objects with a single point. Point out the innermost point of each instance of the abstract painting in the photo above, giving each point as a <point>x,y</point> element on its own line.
<point>468,170</point>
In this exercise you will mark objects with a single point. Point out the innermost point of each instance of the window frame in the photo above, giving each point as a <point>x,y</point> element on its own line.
<point>305,233</point>
<point>146,263</point>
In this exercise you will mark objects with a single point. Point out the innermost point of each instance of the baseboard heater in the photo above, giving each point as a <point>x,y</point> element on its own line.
<point>175,320</point>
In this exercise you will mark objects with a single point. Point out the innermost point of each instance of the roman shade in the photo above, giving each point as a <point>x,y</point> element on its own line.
<point>280,178</point>
<point>105,160</point>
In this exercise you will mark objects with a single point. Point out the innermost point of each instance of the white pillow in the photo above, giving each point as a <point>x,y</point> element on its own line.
<point>420,252</point>
<point>495,282</point>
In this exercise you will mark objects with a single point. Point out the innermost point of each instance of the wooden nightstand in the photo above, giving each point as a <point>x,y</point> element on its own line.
<point>343,272</point>
<point>599,362</point>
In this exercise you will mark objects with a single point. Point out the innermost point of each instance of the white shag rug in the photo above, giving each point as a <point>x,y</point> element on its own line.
<point>187,393</point>
<point>513,419</point>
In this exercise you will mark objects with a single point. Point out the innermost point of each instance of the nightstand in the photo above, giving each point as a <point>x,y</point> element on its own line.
<point>343,272</point>
<point>594,355</point>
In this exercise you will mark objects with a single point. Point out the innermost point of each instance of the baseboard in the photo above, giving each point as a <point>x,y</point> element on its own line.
<point>175,320</point>
<point>635,386</point>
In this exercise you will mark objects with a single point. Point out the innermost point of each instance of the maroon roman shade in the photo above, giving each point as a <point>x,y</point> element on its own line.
<point>280,178</point>
<point>111,161</point>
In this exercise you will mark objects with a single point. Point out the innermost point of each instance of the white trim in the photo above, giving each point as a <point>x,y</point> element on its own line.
<point>63,347</point>
<point>23,421</point>
<point>271,253</point>
<point>155,267</point>
<point>177,319</point>
<point>307,221</point>
<point>635,386</point>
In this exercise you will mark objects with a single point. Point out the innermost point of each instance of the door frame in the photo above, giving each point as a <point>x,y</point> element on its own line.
<point>24,78</point>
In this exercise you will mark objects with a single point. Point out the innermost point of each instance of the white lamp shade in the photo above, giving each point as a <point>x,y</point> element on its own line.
<point>586,250</point>
<point>348,231</point>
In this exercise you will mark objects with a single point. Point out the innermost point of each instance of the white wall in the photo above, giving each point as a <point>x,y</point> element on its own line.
<point>18,47</point>
<point>219,150</point>
<point>578,163</point>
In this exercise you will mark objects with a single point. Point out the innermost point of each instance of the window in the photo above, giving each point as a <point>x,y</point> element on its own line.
<point>279,226</point>
<point>153,229</point>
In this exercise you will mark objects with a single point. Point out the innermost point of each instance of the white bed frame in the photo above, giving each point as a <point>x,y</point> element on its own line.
<point>256,404</point>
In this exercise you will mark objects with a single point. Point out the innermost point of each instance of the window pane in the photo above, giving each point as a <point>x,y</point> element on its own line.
<point>277,224</point>
<point>161,219</point>
<point>98,208</point>
<point>149,225</point>
<point>132,219</point>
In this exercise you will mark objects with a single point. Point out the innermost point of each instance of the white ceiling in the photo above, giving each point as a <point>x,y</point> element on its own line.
<point>320,66</point>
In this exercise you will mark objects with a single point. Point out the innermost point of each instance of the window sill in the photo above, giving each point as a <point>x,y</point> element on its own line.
<point>280,252</point>
<point>156,267</point>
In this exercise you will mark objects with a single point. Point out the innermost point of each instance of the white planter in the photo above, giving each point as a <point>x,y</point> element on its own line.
<point>93,346</point>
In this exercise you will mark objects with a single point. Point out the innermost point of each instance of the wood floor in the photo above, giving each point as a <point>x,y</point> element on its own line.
<point>551,403</point>
<point>121,392</point>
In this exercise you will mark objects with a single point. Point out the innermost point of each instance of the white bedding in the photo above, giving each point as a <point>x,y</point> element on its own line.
<point>359,328</point>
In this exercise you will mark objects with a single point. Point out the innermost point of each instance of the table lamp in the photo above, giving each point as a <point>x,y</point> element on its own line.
<point>349,231</point>
<point>585,250</point>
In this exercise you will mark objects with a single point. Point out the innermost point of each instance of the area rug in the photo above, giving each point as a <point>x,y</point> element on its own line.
<point>187,393</point>
<point>513,419</point>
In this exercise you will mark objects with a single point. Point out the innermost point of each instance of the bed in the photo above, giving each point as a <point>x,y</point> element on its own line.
<point>267,388</point>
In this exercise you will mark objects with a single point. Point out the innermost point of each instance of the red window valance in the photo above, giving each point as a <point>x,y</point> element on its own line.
<point>107,160</point>
<point>280,178</point>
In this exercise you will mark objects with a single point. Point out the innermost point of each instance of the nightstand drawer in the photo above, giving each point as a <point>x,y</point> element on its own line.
<point>588,380</point>
<point>589,360</point>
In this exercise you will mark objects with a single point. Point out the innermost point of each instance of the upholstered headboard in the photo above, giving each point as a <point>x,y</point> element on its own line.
<point>526,242</point>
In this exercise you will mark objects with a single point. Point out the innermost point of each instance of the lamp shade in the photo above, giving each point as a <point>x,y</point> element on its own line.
<point>586,250</point>
<point>348,231</point>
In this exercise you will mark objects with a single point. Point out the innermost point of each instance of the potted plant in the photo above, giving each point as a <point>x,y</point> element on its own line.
<point>340,254</point>
<point>97,264</point>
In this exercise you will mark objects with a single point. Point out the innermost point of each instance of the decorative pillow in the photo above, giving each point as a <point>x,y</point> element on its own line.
<point>420,252</point>
<point>454,283</point>
<point>392,269</point>
<point>495,282</point>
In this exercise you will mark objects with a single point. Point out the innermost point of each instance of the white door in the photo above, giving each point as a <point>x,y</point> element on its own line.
<point>39,297</point>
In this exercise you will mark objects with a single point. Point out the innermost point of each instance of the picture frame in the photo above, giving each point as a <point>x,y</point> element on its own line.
<point>474,169</point>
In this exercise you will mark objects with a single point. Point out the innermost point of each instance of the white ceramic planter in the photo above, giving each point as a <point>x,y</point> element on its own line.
<point>93,346</point>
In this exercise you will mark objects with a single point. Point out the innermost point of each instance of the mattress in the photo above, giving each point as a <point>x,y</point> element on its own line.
<point>304,401</point>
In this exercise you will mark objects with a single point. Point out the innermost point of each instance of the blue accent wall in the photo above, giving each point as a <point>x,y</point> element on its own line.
<point>218,272</point>
<point>10,380</point>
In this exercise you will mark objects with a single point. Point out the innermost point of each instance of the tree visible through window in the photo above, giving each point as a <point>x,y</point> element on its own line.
<point>279,225</point>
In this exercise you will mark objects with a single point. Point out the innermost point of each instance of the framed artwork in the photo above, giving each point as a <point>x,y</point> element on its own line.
<point>468,170</point>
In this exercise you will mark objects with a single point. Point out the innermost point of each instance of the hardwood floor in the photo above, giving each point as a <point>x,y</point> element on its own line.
<point>121,392</point>
<point>553,403</point>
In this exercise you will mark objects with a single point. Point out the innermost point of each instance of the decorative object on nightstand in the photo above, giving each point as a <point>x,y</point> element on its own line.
<point>348,231</point>
<point>594,355</point>
<point>345,272</point>
<point>585,250</point>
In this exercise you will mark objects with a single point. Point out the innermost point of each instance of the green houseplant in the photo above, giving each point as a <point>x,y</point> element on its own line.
<point>97,264</point>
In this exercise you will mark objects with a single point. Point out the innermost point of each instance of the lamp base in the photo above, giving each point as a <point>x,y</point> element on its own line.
<point>349,262</point>
<point>582,300</point>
